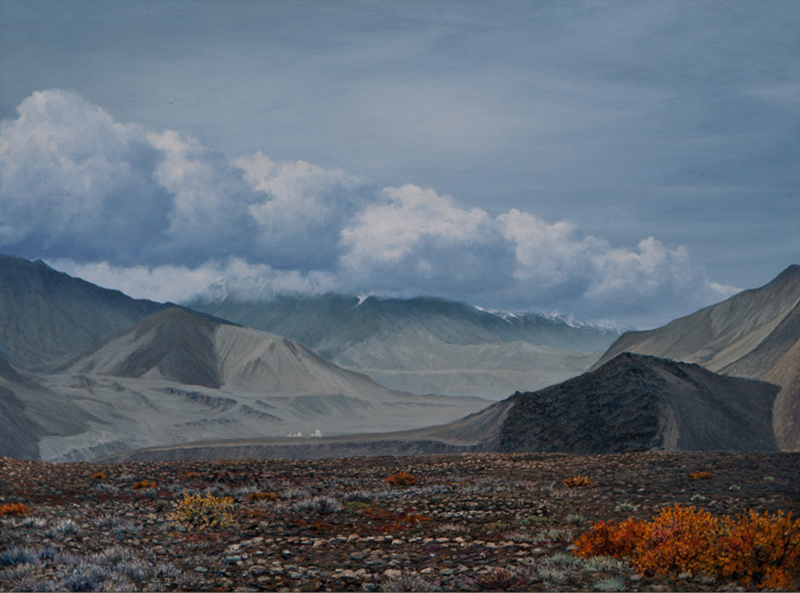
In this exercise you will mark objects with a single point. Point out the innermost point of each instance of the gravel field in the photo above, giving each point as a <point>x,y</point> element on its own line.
<point>460,523</point>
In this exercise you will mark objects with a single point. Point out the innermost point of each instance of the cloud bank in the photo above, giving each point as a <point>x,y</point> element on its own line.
<point>159,215</point>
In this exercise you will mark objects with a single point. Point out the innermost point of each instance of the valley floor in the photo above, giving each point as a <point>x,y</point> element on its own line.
<point>468,522</point>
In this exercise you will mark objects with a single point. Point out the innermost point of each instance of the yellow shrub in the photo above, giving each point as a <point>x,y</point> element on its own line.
<point>203,512</point>
<point>679,540</point>
<point>699,476</point>
<point>578,482</point>
<point>14,508</point>
<point>761,549</point>
<point>144,484</point>
<point>262,496</point>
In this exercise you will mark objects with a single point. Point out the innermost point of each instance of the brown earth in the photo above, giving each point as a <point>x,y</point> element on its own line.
<point>470,522</point>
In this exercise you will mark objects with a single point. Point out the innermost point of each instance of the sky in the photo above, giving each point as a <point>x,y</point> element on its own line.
<point>626,162</point>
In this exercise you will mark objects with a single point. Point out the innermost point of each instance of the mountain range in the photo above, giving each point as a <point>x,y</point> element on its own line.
<point>139,374</point>
<point>632,400</point>
<point>427,345</point>
<point>88,373</point>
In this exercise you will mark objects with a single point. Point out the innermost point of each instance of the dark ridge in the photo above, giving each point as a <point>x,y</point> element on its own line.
<point>641,403</point>
<point>210,401</point>
<point>248,411</point>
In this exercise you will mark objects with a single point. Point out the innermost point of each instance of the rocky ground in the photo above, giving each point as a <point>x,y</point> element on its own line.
<point>468,523</point>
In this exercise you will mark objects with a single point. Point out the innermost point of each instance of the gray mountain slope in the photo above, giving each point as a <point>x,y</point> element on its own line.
<point>766,355</point>
<point>29,412</point>
<point>174,345</point>
<point>328,324</point>
<point>719,335</point>
<point>750,335</point>
<point>177,376</point>
<point>633,403</point>
<point>48,318</point>
<point>427,345</point>
<point>786,412</point>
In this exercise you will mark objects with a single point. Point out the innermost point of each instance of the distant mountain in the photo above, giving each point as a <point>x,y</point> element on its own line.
<point>632,403</point>
<point>752,334</point>
<point>427,345</point>
<point>179,376</point>
<point>48,318</point>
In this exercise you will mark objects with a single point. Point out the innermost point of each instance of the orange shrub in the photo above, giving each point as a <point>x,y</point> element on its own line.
<point>679,540</point>
<point>578,482</point>
<point>761,548</point>
<point>262,496</point>
<point>144,484</point>
<point>609,539</point>
<point>99,476</point>
<point>699,476</point>
<point>754,548</point>
<point>192,475</point>
<point>14,508</point>
<point>401,479</point>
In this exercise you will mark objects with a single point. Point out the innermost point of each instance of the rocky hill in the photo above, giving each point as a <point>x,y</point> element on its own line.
<point>643,403</point>
<point>752,334</point>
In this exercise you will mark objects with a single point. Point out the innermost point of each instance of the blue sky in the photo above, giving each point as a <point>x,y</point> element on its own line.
<point>627,161</point>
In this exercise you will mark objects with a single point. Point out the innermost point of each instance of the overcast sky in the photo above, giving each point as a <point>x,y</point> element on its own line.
<point>622,161</point>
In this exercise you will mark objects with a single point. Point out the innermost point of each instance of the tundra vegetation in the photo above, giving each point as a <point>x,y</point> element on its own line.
<point>634,521</point>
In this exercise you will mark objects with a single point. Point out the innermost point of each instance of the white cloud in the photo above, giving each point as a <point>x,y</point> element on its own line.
<point>175,283</point>
<point>300,201</point>
<point>159,215</point>
<point>555,264</point>
<point>205,200</point>
<point>415,240</point>
<point>71,180</point>
<point>76,184</point>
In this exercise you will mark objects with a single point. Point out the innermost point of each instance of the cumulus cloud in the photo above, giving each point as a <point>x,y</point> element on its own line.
<point>74,183</point>
<point>555,264</point>
<point>416,240</point>
<point>300,200</point>
<point>157,214</point>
